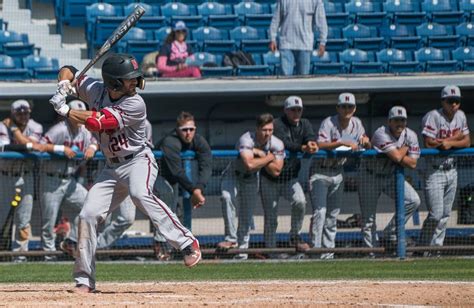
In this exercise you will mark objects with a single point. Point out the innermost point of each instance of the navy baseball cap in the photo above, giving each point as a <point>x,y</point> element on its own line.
<point>179,26</point>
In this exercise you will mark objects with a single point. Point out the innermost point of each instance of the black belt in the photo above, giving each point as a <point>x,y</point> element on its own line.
<point>446,167</point>
<point>116,160</point>
<point>59,175</point>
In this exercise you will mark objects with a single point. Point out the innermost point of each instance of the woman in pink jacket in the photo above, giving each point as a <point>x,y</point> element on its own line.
<point>173,56</point>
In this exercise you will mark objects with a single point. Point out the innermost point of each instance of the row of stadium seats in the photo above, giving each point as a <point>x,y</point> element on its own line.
<point>351,61</point>
<point>33,66</point>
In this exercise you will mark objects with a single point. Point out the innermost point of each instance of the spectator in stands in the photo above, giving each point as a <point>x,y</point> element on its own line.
<point>327,181</point>
<point>175,54</point>
<point>400,144</point>
<point>183,138</point>
<point>295,21</point>
<point>117,223</point>
<point>257,150</point>
<point>17,175</point>
<point>148,65</point>
<point>298,136</point>
<point>60,187</point>
<point>445,128</point>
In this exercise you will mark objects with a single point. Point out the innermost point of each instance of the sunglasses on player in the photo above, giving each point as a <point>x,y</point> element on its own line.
<point>187,129</point>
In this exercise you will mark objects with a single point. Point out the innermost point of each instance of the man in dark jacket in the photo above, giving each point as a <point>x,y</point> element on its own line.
<point>173,174</point>
<point>297,135</point>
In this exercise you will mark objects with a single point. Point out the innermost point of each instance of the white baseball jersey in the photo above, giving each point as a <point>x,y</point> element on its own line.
<point>383,142</point>
<point>62,134</point>
<point>33,131</point>
<point>149,132</point>
<point>331,131</point>
<point>436,125</point>
<point>130,112</point>
<point>248,141</point>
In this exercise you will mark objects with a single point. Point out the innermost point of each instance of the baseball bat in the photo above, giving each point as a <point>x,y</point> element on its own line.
<point>118,33</point>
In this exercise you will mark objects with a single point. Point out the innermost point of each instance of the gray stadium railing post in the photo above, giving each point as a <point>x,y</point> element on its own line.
<point>400,210</point>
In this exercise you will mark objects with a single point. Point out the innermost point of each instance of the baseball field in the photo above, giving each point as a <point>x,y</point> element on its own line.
<point>429,282</point>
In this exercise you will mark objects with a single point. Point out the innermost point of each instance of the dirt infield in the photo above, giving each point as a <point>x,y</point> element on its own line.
<point>261,294</point>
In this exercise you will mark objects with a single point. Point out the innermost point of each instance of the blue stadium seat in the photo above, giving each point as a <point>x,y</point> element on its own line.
<point>12,37</point>
<point>253,70</point>
<point>71,12</point>
<point>19,49</point>
<point>335,42</point>
<point>326,64</point>
<point>437,36</point>
<point>202,58</point>
<point>435,60</point>
<point>253,14</point>
<point>404,12</point>
<point>92,13</point>
<point>134,34</point>
<point>465,58</point>
<point>41,67</point>
<point>335,15</point>
<point>441,11</point>
<point>138,42</point>
<point>400,37</point>
<point>218,15</point>
<point>466,32</point>
<point>149,10</point>
<point>363,37</point>
<point>360,62</point>
<point>162,33</point>
<point>213,40</point>
<point>395,61</point>
<point>468,7</point>
<point>249,39</point>
<point>219,71</point>
<point>273,60</point>
<point>103,27</point>
<point>176,11</point>
<point>10,71</point>
<point>365,12</point>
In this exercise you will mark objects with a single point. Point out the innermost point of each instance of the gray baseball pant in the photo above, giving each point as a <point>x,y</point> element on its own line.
<point>247,195</point>
<point>326,188</point>
<point>136,178</point>
<point>370,188</point>
<point>228,202</point>
<point>440,192</point>
<point>169,194</point>
<point>58,192</point>
<point>271,191</point>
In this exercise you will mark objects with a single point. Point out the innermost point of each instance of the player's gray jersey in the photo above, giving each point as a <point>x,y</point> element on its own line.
<point>436,125</point>
<point>383,142</point>
<point>62,134</point>
<point>248,141</point>
<point>33,131</point>
<point>331,131</point>
<point>149,132</point>
<point>130,112</point>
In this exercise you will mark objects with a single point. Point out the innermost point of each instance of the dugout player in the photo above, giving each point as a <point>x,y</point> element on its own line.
<point>257,150</point>
<point>298,136</point>
<point>60,187</point>
<point>181,139</point>
<point>445,128</point>
<point>327,181</point>
<point>22,131</point>
<point>400,144</point>
<point>118,119</point>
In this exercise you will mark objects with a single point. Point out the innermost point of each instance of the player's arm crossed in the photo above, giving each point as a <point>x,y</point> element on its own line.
<point>254,163</point>
<point>274,167</point>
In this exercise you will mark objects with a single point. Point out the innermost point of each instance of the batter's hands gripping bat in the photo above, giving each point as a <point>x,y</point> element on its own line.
<point>121,30</point>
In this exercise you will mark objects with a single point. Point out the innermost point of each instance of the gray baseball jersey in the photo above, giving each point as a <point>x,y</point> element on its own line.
<point>331,131</point>
<point>383,142</point>
<point>149,132</point>
<point>62,134</point>
<point>130,111</point>
<point>248,141</point>
<point>436,125</point>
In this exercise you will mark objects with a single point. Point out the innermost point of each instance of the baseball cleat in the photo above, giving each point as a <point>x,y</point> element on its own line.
<point>192,254</point>
<point>82,289</point>
<point>227,245</point>
<point>299,244</point>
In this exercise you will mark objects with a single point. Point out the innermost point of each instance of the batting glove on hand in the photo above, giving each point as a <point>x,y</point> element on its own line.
<point>59,103</point>
<point>65,88</point>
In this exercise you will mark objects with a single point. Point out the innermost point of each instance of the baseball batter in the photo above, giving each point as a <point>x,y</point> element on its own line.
<point>118,119</point>
<point>257,150</point>
<point>19,128</point>
<point>444,128</point>
<point>60,187</point>
<point>400,144</point>
<point>326,183</point>
<point>122,219</point>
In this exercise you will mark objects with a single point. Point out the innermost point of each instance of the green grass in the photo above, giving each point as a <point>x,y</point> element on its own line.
<point>431,269</point>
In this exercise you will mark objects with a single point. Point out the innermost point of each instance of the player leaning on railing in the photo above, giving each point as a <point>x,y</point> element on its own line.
<point>118,119</point>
